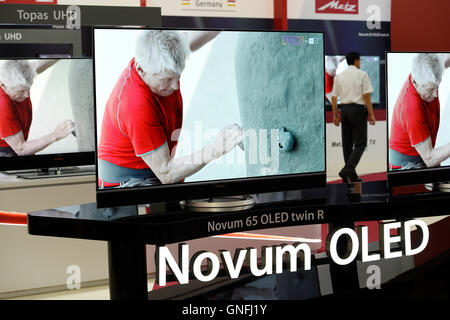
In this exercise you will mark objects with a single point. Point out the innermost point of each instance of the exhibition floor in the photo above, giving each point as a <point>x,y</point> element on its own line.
<point>91,293</point>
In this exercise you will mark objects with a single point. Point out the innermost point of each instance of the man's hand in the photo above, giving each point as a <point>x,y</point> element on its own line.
<point>170,170</point>
<point>336,120</point>
<point>63,129</point>
<point>226,140</point>
<point>372,119</point>
<point>335,110</point>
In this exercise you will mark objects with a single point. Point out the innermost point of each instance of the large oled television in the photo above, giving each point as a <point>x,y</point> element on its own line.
<point>263,89</point>
<point>47,116</point>
<point>418,96</point>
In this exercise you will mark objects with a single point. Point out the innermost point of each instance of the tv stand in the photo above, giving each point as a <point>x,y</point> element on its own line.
<point>56,172</point>
<point>221,204</point>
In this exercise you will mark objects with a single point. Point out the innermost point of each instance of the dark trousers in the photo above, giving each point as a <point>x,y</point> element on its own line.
<point>354,134</point>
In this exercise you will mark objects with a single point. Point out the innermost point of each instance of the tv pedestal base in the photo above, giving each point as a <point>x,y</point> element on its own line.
<point>438,186</point>
<point>57,172</point>
<point>355,187</point>
<point>223,204</point>
<point>127,264</point>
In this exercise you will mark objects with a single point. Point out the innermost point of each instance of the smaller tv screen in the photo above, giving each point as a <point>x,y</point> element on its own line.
<point>336,64</point>
<point>46,112</point>
<point>418,87</point>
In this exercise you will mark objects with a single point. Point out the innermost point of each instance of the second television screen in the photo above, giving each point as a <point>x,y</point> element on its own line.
<point>234,105</point>
<point>337,64</point>
<point>418,110</point>
<point>46,113</point>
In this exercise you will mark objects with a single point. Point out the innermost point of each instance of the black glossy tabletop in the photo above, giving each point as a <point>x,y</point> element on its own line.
<point>168,223</point>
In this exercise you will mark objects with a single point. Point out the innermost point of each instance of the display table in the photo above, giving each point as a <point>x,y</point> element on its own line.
<point>26,195</point>
<point>127,231</point>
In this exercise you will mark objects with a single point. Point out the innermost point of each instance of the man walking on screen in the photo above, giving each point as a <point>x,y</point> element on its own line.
<point>354,88</point>
<point>416,117</point>
<point>144,113</point>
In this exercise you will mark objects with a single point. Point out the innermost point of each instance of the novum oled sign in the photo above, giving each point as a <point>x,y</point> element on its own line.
<point>296,256</point>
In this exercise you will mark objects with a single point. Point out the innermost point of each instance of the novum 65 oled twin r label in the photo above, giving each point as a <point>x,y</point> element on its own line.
<point>262,220</point>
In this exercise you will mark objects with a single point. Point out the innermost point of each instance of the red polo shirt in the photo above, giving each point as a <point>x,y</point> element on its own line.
<point>413,120</point>
<point>136,121</point>
<point>14,117</point>
<point>329,81</point>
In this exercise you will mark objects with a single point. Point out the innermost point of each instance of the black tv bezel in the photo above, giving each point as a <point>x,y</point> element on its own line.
<point>51,160</point>
<point>116,197</point>
<point>400,178</point>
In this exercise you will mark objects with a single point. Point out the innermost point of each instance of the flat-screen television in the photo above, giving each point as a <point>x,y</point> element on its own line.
<point>46,116</point>
<point>189,114</point>
<point>418,96</point>
<point>336,64</point>
<point>27,50</point>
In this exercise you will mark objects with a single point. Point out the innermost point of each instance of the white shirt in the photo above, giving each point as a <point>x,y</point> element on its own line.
<point>351,84</point>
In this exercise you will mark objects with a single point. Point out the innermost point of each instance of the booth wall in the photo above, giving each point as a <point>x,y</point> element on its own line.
<point>420,25</point>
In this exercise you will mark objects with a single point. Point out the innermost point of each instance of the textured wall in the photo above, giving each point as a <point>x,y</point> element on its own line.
<point>372,66</point>
<point>51,105</point>
<point>280,84</point>
<point>444,127</point>
<point>65,91</point>
<point>213,106</point>
<point>82,102</point>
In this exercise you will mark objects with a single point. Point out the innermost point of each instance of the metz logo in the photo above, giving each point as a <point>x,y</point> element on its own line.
<point>337,6</point>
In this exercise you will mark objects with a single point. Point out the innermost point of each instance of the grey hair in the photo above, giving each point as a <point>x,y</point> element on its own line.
<point>427,68</point>
<point>14,73</point>
<point>161,50</point>
<point>331,64</point>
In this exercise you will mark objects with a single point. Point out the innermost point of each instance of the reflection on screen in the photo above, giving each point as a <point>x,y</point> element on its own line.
<point>336,64</point>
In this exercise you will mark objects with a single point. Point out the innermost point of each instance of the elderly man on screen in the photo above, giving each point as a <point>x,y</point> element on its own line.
<point>416,117</point>
<point>143,116</point>
<point>16,79</point>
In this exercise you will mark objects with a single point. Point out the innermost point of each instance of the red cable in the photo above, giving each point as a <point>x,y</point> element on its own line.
<point>13,217</point>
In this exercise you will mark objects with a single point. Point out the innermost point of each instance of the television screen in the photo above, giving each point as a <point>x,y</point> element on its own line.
<point>418,92</point>
<point>336,64</point>
<point>193,113</point>
<point>47,112</point>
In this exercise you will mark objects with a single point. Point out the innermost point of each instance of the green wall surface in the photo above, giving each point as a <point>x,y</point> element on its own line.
<point>280,80</point>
